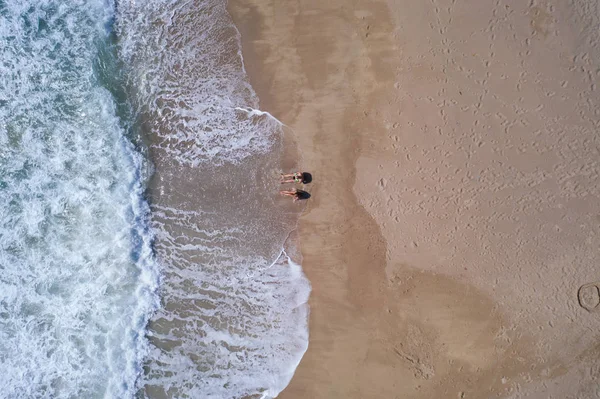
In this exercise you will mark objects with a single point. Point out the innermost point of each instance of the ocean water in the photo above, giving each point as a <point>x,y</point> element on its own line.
<point>77,276</point>
<point>233,320</point>
<point>144,251</point>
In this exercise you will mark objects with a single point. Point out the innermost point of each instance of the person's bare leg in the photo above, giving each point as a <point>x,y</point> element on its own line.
<point>287,178</point>
<point>289,193</point>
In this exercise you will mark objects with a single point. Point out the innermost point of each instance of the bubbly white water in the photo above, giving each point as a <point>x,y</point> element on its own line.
<point>234,318</point>
<point>77,277</point>
<point>234,321</point>
<point>188,74</point>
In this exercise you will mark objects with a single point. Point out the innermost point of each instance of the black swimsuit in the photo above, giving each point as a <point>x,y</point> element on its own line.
<point>302,195</point>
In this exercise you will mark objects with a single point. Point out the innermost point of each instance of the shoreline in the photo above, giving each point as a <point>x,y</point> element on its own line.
<point>339,218</point>
<point>438,161</point>
<point>232,320</point>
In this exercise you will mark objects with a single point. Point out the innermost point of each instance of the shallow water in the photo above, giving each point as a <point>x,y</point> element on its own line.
<point>142,238</point>
<point>234,317</point>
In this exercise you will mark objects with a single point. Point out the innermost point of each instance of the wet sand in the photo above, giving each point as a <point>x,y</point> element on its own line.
<point>452,238</point>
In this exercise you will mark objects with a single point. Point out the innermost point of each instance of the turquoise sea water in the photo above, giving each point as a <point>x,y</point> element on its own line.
<point>117,282</point>
<point>77,277</point>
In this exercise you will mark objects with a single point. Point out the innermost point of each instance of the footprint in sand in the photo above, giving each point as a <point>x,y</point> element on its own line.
<point>589,296</point>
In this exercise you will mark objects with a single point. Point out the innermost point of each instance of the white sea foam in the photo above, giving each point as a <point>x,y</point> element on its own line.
<point>193,80</point>
<point>241,333</point>
<point>77,277</point>
<point>234,318</point>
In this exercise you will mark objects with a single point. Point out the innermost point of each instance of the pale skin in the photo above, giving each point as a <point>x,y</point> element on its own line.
<point>291,177</point>
<point>290,193</point>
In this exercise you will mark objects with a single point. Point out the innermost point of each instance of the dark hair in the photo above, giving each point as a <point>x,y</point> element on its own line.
<point>302,195</point>
<point>306,177</point>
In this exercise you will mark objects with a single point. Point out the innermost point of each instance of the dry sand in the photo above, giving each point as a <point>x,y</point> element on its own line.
<point>453,235</point>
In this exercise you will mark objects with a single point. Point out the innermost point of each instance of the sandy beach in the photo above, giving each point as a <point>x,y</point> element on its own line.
<point>452,238</point>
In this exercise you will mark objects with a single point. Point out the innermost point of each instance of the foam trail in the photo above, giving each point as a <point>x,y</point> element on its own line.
<point>77,275</point>
<point>256,112</point>
<point>234,317</point>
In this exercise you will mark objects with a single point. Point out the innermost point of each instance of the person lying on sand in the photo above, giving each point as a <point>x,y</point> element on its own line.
<point>296,194</point>
<point>296,177</point>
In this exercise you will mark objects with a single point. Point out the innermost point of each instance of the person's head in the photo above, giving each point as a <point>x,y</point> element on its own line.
<point>306,177</point>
